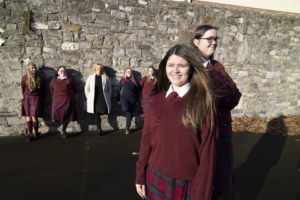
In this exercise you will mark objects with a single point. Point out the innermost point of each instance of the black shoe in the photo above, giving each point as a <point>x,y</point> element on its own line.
<point>38,135</point>
<point>99,132</point>
<point>63,134</point>
<point>29,138</point>
<point>127,131</point>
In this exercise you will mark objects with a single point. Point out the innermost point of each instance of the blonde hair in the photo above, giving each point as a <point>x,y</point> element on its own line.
<point>103,70</point>
<point>34,81</point>
<point>148,74</point>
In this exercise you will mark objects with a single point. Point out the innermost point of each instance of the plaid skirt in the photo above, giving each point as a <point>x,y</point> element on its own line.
<point>64,110</point>
<point>32,106</point>
<point>224,176</point>
<point>162,187</point>
<point>145,102</point>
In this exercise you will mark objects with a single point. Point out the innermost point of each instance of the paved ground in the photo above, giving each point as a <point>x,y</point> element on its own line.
<point>87,167</point>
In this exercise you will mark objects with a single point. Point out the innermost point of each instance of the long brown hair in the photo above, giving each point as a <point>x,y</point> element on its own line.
<point>200,98</point>
<point>103,70</point>
<point>34,81</point>
<point>198,33</point>
<point>148,74</point>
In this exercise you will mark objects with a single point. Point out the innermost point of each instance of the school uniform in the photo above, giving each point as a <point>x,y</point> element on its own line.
<point>33,101</point>
<point>128,95</point>
<point>230,96</point>
<point>63,99</point>
<point>174,162</point>
<point>148,90</point>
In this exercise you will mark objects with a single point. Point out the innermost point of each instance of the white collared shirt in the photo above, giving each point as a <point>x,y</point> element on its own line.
<point>206,62</point>
<point>151,77</point>
<point>181,91</point>
<point>62,78</point>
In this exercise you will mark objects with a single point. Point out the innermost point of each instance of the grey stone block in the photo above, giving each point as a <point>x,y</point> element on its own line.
<point>33,51</point>
<point>133,53</point>
<point>119,52</point>
<point>50,34</point>
<point>53,63</point>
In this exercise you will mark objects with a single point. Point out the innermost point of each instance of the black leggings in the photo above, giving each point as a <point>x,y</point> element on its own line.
<point>65,124</point>
<point>98,119</point>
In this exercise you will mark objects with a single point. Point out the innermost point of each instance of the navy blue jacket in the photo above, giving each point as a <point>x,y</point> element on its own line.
<point>130,90</point>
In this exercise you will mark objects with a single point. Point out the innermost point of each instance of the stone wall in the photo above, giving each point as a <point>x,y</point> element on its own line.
<point>261,51</point>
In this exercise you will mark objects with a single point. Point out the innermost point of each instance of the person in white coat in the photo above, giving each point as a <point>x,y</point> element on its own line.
<point>98,93</point>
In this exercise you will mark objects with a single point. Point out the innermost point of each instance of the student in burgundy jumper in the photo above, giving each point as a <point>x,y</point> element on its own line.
<point>34,92</point>
<point>177,154</point>
<point>204,43</point>
<point>63,89</point>
<point>128,96</point>
<point>148,87</point>
<point>98,94</point>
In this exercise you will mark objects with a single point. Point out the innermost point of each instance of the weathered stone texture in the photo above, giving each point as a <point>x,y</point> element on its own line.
<point>259,51</point>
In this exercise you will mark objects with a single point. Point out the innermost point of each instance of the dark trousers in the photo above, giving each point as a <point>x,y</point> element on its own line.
<point>128,106</point>
<point>98,120</point>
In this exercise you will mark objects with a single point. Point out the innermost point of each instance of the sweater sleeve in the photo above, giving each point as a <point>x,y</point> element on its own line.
<point>145,151</point>
<point>142,84</point>
<point>52,86</point>
<point>23,85</point>
<point>228,93</point>
<point>203,182</point>
<point>74,85</point>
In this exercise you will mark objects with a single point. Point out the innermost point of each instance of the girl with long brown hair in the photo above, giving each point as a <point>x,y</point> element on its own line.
<point>177,153</point>
<point>34,91</point>
<point>204,44</point>
<point>148,88</point>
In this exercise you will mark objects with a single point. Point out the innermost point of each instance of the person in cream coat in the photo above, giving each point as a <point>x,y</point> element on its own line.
<point>98,93</point>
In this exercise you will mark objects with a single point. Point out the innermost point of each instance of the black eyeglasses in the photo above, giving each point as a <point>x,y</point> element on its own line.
<point>210,39</point>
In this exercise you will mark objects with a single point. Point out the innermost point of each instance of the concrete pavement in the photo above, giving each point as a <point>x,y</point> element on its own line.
<point>86,167</point>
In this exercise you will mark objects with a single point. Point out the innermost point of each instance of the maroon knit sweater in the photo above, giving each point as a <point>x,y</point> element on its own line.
<point>63,89</point>
<point>175,151</point>
<point>148,88</point>
<point>230,94</point>
<point>37,92</point>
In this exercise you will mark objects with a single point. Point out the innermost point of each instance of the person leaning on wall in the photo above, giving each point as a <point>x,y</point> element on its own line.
<point>98,94</point>
<point>204,44</point>
<point>177,153</point>
<point>34,92</point>
<point>148,88</point>
<point>128,96</point>
<point>63,89</point>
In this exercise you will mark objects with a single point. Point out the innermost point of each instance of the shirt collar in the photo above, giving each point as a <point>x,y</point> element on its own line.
<point>62,78</point>
<point>181,91</point>
<point>206,62</point>
<point>151,77</point>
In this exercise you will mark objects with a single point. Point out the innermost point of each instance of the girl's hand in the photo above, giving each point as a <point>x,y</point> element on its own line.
<point>119,103</point>
<point>141,190</point>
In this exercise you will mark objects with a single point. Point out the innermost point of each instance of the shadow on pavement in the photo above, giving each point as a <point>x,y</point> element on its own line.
<point>252,174</point>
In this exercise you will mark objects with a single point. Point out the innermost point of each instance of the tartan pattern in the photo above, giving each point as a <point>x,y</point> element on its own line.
<point>162,187</point>
<point>145,102</point>
<point>64,110</point>
<point>32,106</point>
<point>224,176</point>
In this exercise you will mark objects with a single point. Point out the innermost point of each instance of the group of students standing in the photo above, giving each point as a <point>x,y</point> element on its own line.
<point>98,92</point>
<point>186,147</point>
